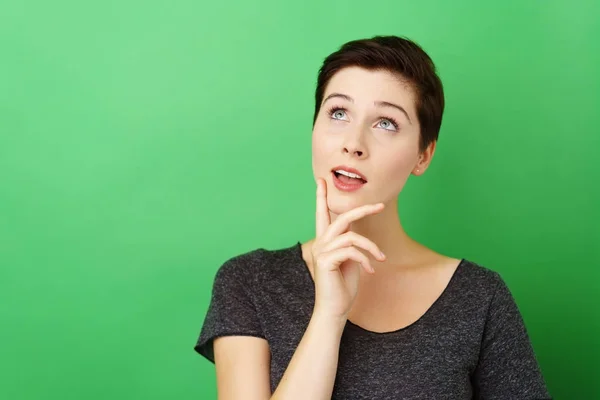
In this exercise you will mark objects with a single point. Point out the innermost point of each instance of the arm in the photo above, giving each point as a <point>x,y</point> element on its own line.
<point>507,367</point>
<point>311,372</point>
<point>336,264</point>
<point>232,336</point>
<point>243,364</point>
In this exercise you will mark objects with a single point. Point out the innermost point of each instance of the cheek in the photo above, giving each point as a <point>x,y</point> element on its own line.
<point>321,151</point>
<point>403,165</point>
<point>402,158</point>
<point>396,171</point>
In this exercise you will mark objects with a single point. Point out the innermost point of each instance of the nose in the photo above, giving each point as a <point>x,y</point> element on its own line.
<point>358,153</point>
<point>354,145</point>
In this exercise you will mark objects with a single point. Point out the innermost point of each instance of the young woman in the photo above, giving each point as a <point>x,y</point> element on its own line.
<point>362,311</point>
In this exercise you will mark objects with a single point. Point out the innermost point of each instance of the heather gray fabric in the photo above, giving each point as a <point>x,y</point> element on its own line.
<point>471,344</point>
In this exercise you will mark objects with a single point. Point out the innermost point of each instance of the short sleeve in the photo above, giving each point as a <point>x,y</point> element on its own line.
<point>507,367</point>
<point>231,310</point>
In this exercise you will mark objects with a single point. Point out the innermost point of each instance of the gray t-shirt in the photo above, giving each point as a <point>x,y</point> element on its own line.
<point>471,344</point>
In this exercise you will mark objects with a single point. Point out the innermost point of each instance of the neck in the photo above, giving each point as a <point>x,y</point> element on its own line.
<point>386,231</point>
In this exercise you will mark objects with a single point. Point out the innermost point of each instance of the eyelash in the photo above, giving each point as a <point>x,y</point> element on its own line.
<point>332,109</point>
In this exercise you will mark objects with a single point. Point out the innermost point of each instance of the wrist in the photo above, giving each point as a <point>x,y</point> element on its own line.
<point>327,320</point>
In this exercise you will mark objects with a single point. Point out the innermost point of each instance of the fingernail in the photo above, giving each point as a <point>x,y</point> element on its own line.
<point>382,255</point>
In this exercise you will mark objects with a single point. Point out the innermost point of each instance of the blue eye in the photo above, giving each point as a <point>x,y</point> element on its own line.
<point>336,111</point>
<point>389,122</point>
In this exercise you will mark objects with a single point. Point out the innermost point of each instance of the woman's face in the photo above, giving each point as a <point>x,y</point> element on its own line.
<point>368,122</point>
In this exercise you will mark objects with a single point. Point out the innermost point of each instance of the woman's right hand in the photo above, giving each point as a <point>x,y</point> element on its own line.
<point>336,259</point>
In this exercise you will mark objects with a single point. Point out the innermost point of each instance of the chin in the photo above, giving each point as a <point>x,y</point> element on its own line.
<point>339,204</point>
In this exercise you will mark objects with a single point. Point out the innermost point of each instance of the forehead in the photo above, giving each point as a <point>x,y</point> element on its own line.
<point>366,86</point>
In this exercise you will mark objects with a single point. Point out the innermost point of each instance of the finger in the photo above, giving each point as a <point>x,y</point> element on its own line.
<point>342,223</point>
<point>322,214</point>
<point>354,239</point>
<point>333,259</point>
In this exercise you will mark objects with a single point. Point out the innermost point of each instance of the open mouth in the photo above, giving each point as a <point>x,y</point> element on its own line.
<point>350,179</point>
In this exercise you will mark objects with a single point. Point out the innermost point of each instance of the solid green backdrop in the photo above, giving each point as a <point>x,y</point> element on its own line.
<point>143,143</point>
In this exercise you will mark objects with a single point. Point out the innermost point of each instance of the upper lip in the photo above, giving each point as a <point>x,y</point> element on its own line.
<point>350,169</point>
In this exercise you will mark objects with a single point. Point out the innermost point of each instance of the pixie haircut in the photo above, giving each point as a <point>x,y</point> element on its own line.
<point>401,57</point>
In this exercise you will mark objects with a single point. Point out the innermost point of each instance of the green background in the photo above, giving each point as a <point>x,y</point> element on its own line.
<point>143,143</point>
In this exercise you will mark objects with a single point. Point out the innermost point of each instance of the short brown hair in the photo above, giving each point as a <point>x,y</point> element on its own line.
<point>399,56</point>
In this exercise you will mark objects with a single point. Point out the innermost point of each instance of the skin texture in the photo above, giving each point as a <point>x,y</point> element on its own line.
<point>360,136</point>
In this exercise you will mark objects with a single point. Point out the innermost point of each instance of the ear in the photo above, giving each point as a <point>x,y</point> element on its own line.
<point>424,159</point>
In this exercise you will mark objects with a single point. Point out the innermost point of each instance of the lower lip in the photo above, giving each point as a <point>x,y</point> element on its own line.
<point>346,187</point>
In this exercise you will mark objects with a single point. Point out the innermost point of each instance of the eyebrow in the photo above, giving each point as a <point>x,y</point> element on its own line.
<point>377,103</point>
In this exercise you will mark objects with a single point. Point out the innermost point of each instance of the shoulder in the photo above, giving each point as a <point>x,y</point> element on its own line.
<point>480,279</point>
<point>251,264</point>
<point>483,293</point>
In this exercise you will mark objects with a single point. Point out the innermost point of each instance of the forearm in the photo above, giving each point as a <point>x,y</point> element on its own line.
<point>312,369</point>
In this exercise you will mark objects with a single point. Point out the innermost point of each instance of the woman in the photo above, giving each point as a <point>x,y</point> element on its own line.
<point>362,311</point>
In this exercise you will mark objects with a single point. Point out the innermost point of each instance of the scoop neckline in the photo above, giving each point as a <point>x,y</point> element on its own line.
<point>349,323</point>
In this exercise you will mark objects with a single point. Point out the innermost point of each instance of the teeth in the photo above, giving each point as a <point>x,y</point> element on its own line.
<point>349,174</point>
